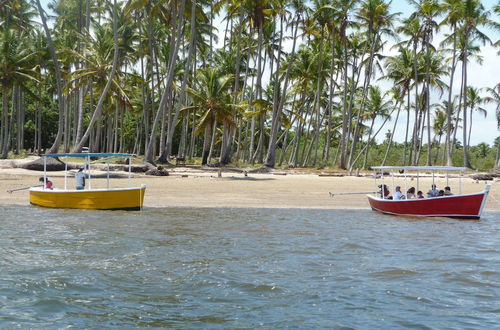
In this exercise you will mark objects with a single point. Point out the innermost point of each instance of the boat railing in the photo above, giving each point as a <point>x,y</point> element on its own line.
<point>87,157</point>
<point>403,170</point>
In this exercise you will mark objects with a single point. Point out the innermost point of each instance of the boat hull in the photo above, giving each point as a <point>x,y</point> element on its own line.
<point>97,199</point>
<point>468,206</point>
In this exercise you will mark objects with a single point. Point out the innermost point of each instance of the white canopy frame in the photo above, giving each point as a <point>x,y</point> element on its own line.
<point>417,169</point>
<point>86,157</point>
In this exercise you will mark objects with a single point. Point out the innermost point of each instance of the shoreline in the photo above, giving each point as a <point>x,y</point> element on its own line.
<point>191,187</point>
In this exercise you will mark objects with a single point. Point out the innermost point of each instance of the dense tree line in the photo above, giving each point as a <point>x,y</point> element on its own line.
<point>294,82</point>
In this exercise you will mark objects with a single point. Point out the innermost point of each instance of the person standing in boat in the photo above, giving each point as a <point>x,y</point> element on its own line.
<point>398,195</point>
<point>433,192</point>
<point>80,178</point>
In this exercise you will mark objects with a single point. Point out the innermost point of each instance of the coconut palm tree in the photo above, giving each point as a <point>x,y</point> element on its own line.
<point>428,10</point>
<point>439,128</point>
<point>474,101</point>
<point>110,79</point>
<point>377,107</point>
<point>494,97</point>
<point>59,82</point>
<point>474,16</point>
<point>16,68</point>
<point>452,9</point>
<point>210,94</point>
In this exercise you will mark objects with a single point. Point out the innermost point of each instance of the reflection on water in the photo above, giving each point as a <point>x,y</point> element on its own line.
<point>241,268</point>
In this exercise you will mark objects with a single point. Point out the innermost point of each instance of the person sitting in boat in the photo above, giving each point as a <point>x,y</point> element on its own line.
<point>48,183</point>
<point>433,192</point>
<point>441,193</point>
<point>386,191</point>
<point>80,178</point>
<point>447,191</point>
<point>398,195</point>
<point>410,194</point>
<point>420,194</point>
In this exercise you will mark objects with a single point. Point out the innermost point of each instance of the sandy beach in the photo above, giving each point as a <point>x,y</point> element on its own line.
<point>192,187</point>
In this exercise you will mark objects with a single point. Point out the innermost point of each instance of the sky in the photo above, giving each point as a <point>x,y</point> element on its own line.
<point>482,75</point>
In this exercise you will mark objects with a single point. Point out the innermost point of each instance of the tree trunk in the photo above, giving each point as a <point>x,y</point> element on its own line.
<point>464,95</point>
<point>277,110</point>
<point>148,157</point>
<point>392,134</point>
<point>206,143</point>
<point>345,117</point>
<point>170,135</point>
<point>448,145</point>
<point>98,111</point>
<point>57,71</point>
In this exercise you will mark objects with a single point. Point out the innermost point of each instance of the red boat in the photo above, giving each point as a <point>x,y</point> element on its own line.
<point>463,206</point>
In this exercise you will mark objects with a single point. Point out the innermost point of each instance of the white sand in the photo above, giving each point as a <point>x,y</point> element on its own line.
<point>197,188</point>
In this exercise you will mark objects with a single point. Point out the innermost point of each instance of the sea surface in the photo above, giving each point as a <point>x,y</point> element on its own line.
<point>246,268</point>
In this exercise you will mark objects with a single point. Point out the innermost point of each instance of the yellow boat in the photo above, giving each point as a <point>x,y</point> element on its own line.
<point>129,198</point>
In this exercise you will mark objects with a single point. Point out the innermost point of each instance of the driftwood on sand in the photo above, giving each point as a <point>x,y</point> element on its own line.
<point>484,176</point>
<point>53,164</point>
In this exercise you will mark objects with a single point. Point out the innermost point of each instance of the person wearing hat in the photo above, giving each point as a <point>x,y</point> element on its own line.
<point>398,194</point>
<point>80,178</point>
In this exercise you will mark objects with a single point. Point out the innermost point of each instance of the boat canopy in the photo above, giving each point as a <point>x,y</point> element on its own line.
<point>87,157</point>
<point>420,168</point>
<point>88,154</point>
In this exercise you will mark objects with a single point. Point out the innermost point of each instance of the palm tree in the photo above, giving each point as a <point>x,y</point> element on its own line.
<point>474,100</point>
<point>211,96</point>
<point>494,97</point>
<point>399,69</point>
<point>439,128</point>
<point>412,28</point>
<point>375,15</point>
<point>451,19</point>
<point>58,77</point>
<point>428,10</point>
<point>177,35</point>
<point>474,16</point>
<point>16,68</point>
<point>378,107</point>
<point>343,23</point>
<point>99,108</point>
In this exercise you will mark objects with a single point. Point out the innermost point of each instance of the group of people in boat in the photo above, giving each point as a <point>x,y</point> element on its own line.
<point>410,193</point>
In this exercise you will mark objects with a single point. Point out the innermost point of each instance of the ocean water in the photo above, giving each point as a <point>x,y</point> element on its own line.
<point>246,268</point>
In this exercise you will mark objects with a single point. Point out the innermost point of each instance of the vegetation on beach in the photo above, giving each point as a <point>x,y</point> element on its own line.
<point>294,83</point>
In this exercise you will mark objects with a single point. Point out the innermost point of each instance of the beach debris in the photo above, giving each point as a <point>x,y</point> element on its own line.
<point>159,171</point>
<point>483,177</point>
<point>53,164</point>
<point>260,170</point>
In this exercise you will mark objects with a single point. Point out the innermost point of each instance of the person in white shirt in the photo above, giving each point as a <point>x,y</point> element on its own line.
<point>433,192</point>
<point>398,194</point>
<point>80,178</point>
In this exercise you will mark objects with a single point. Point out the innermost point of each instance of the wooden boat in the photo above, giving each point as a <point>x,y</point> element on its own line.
<point>463,206</point>
<point>128,198</point>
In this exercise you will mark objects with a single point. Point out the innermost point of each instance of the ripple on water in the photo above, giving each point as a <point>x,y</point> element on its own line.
<point>246,268</point>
